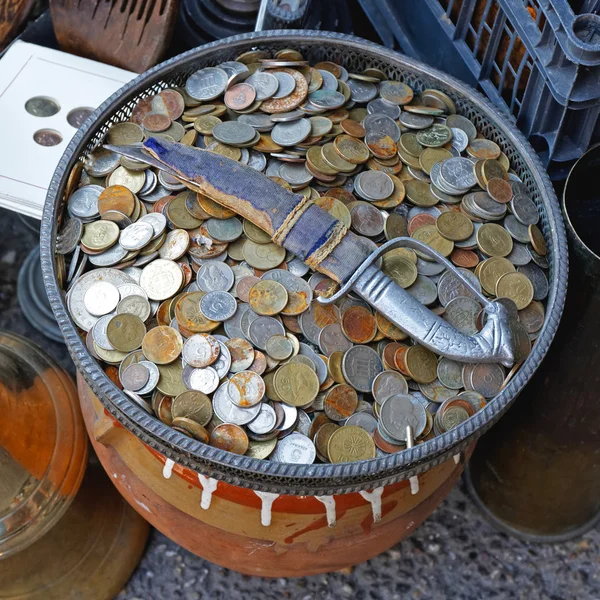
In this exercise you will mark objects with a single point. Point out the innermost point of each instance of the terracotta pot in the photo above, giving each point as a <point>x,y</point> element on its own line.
<point>255,532</point>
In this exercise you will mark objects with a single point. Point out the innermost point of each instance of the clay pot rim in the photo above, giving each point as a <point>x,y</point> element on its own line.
<point>265,475</point>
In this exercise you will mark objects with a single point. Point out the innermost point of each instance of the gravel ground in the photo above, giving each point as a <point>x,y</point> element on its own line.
<point>455,554</point>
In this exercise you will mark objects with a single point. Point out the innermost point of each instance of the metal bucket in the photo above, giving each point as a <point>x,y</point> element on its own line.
<point>304,499</point>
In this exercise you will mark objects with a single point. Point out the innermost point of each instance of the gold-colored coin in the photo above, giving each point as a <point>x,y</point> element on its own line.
<point>100,235</point>
<point>537,240</point>
<point>454,226</point>
<point>296,384</point>
<point>116,197</point>
<point>263,256</point>
<point>268,297</point>
<point>418,192</point>
<point>483,149</point>
<point>388,329</point>
<point>421,364</point>
<point>494,240</point>
<point>132,180</point>
<point>334,159</point>
<point>315,159</point>
<point>126,332</point>
<point>491,270</point>
<point>492,168</point>
<point>401,270</point>
<point>191,428</point>
<point>429,235</point>
<point>335,208</point>
<point>162,345</point>
<point>214,209</point>
<point>401,252</point>
<point>179,215</point>
<point>190,317</point>
<point>431,156</point>
<point>409,144</point>
<point>321,439</point>
<point>112,357</point>
<point>229,437</point>
<point>170,381</point>
<point>266,144</point>
<point>517,287</point>
<point>205,124</point>
<point>397,196</point>
<point>193,405</point>
<point>261,450</point>
<point>255,233</point>
<point>225,150</point>
<point>334,366</point>
<point>349,444</point>
<point>351,149</point>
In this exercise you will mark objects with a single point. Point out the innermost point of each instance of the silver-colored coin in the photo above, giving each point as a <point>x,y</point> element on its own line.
<point>257,160</point>
<point>200,350</point>
<point>382,106</point>
<point>223,362</point>
<point>110,257</point>
<point>262,328</point>
<point>279,347</point>
<point>260,121</point>
<point>326,99</point>
<point>290,416</point>
<point>362,91</point>
<point>247,319</point>
<point>449,373</point>
<point>233,67</point>
<point>265,421</point>
<point>516,229</point>
<point>376,185</point>
<point>381,123</point>
<point>458,173</point>
<point>69,236</point>
<point>332,339</point>
<point>487,379</point>
<point>363,419</point>
<point>228,412</point>
<point>233,326</point>
<point>141,403</point>
<point>83,203</point>
<point>387,384</point>
<point>303,424</point>
<point>246,389</point>
<point>538,259</point>
<point>295,174</point>
<point>135,377</point>
<point>287,84</point>
<point>131,289</point>
<point>524,209</point>
<point>99,332</point>
<point>415,121</point>
<point>360,366</point>
<point>161,279</point>
<point>152,379</point>
<point>204,380</point>
<point>399,412</point>
<point>207,83</point>
<point>318,362</point>
<point>424,290</point>
<point>295,449</point>
<point>436,391</point>
<point>136,235</point>
<point>461,312</point>
<point>519,255</point>
<point>291,115</point>
<point>135,274</point>
<point>158,221</point>
<point>330,81</point>
<point>298,267</point>
<point>233,133</point>
<point>460,140</point>
<point>291,133</point>
<point>101,298</point>
<point>135,305</point>
<point>101,162</point>
<point>224,230</point>
<point>367,220</point>
<point>265,84</point>
<point>150,183</point>
<point>218,306</point>
<point>538,279</point>
<point>215,276</point>
<point>450,287</point>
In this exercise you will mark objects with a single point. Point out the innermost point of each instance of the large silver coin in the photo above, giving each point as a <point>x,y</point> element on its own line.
<point>218,306</point>
<point>360,366</point>
<point>265,84</point>
<point>291,133</point>
<point>295,449</point>
<point>262,328</point>
<point>83,202</point>
<point>399,412</point>
<point>233,133</point>
<point>136,235</point>
<point>215,276</point>
<point>387,384</point>
<point>207,84</point>
<point>228,412</point>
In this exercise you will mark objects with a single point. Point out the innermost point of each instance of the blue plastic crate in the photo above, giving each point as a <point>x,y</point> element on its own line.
<point>537,59</point>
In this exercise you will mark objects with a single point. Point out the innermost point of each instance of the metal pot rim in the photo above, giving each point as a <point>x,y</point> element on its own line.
<point>266,475</point>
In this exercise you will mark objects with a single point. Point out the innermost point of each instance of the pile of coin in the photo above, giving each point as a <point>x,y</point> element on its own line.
<point>207,324</point>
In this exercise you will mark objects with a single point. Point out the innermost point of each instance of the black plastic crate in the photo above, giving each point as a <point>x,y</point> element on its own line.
<point>537,59</point>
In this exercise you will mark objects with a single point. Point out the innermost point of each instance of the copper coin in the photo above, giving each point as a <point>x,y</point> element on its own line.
<point>389,329</point>
<point>259,364</point>
<point>353,128</point>
<point>156,122</point>
<point>342,195</point>
<point>243,287</point>
<point>162,345</point>
<point>500,190</point>
<point>381,145</point>
<point>420,220</point>
<point>464,258</point>
<point>400,360</point>
<point>240,96</point>
<point>325,314</point>
<point>229,437</point>
<point>291,323</point>
<point>358,325</point>
<point>118,198</point>
<point>389,353</point>
<point>317,423</point>
<point>341,402</point>
<point>386,446</point>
